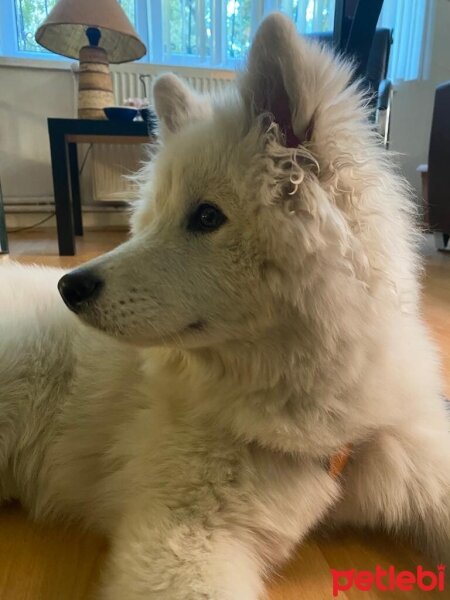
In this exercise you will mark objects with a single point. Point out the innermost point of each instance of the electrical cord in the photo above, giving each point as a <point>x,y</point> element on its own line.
<point>28,227</point>
<point>84,160</point>
<point>19,229</point>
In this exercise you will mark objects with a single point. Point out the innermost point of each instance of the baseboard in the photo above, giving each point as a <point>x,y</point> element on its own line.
<point>94,218</point>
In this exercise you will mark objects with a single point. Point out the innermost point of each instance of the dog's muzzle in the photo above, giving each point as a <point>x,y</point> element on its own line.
<point>79,286</point>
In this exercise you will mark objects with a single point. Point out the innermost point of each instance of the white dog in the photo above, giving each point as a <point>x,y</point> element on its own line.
<point>262,318</point>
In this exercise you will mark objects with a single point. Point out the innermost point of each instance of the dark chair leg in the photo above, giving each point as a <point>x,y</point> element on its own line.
<point>441,240</point>
<point>4,248</point>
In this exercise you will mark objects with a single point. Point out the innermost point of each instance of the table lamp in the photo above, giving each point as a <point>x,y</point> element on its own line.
<point>97,32</point>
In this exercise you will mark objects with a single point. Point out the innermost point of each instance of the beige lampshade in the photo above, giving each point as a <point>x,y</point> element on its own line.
<point>64,30</point>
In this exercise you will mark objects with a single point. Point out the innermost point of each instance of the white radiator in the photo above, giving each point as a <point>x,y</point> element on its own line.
<point>127,84</point>
<point>111,162</point>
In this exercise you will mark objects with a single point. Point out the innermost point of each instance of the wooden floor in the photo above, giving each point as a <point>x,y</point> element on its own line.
<point>55,563</point>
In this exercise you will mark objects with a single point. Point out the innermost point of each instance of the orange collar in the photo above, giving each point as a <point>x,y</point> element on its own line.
<point>339,461</point>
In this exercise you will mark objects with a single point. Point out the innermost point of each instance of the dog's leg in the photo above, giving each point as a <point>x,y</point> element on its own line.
<point>400,480</point>
<point>179,562</point>
<point>191,547</point>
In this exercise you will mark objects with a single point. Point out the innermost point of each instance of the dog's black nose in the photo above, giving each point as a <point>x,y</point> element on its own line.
<point>79,286</point>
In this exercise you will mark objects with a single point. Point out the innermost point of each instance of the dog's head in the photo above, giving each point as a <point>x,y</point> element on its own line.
<point>248,202</point>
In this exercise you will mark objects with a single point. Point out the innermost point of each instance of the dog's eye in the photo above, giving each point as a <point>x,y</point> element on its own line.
<point>206,218</point>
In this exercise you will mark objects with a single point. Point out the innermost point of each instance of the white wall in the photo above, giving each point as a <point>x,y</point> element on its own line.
<point>29,95</point>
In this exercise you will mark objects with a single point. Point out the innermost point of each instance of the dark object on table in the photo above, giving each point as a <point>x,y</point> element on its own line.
<point>121,113</point>
<point>149,117</point>
<point>438,168</point>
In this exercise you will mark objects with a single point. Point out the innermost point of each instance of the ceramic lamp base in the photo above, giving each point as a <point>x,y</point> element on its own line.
<point>95,90</point>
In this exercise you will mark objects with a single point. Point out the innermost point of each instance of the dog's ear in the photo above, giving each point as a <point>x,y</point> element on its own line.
<point>281,80</point>
<point>176,105</point>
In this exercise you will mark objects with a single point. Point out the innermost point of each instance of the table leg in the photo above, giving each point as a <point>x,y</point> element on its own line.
<point>75,188</point>
<point>60,172</point>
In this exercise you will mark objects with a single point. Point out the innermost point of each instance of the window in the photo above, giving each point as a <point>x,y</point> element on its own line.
<point>310,17</point>
<point>187,30</point>
<point>192,32</point>
<point>238,28</point>
<point>217,33</point>
<point>29,14</point>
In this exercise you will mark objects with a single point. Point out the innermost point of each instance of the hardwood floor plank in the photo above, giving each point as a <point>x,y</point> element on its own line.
<point>48,562</point>
<point>52,562</point>
<point>306,576</point>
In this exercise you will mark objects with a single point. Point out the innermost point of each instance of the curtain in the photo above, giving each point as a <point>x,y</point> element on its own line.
<point>412,22</point>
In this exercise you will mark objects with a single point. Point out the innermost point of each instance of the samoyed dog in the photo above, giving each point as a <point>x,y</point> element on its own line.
<point>262,320</point>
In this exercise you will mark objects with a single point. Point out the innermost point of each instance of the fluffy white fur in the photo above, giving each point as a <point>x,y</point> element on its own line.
<point>190,409</point>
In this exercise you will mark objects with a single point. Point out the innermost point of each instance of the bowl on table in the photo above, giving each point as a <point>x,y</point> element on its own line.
<point>121,113</point>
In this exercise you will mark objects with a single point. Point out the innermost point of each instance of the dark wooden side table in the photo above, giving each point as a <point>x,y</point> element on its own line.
<point>64,135</point>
